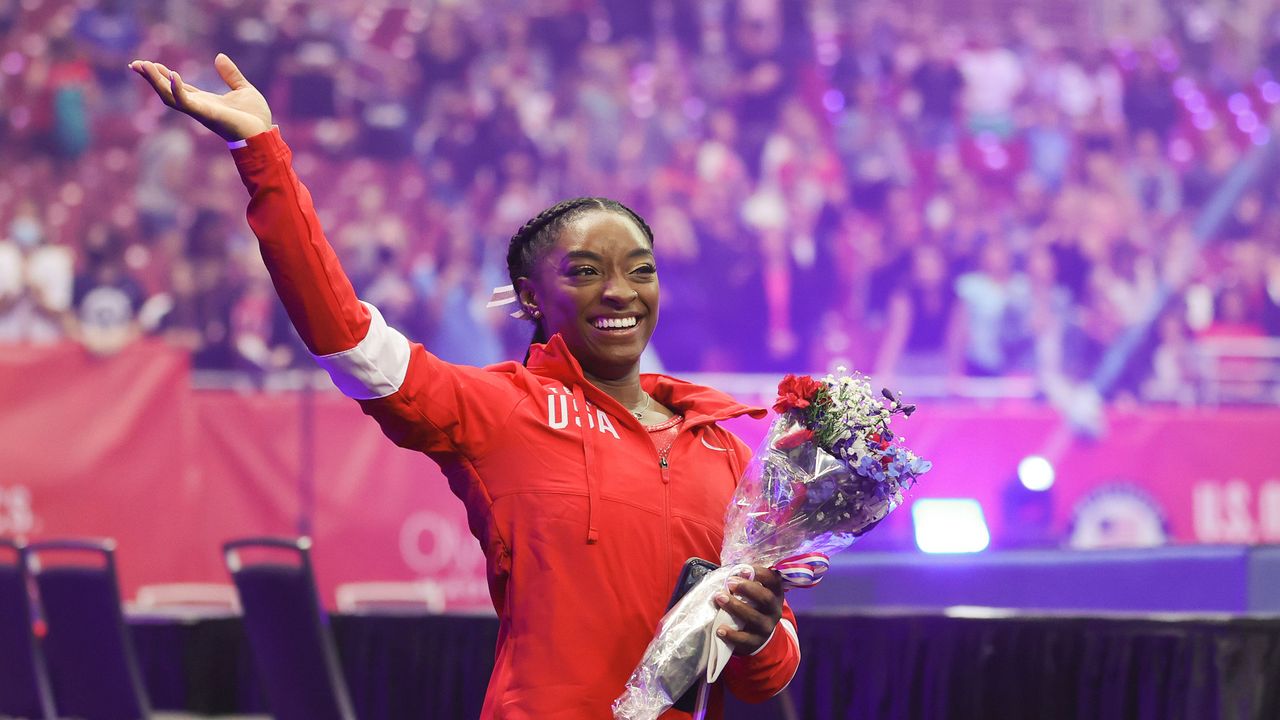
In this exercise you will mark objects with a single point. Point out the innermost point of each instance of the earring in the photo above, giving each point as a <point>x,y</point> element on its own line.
<point>535,313</point>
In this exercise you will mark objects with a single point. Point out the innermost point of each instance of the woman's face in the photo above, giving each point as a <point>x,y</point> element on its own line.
<point>597,285</point>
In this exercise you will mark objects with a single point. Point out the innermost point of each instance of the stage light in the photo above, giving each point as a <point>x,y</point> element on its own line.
<point>1035,473</point>
<point>1204,120</point>
<point>833,101</point>
<point>949,525</point>
<point>1238,103</point>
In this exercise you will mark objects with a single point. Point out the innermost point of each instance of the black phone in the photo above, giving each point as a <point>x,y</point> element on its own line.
<point>693,571</point>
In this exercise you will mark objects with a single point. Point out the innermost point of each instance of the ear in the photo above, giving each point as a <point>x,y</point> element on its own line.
<point>527,297</point>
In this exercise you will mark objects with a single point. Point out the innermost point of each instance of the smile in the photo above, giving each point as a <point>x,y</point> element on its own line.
<point>624,323</point>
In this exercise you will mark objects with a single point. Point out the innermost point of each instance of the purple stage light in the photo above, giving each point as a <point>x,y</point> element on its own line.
<point>833,101</point>
<point>1204,120</point>
<point>1271,92</point>
<point>1238,103</point>
<point>1247,122</point>
<point>1260,136</point>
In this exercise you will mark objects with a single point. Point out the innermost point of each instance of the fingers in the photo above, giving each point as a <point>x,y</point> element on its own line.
<point>158,76</point>
<point>179,91</point>
<point>763,598</point>
<point>230,74</point>
<point>751,618</point>
<point>770,578</point>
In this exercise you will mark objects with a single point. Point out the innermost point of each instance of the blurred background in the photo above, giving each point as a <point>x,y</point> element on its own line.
<point>1054,225</point>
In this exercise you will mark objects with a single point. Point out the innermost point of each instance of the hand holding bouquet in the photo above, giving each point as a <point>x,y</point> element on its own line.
<point>828,471</point>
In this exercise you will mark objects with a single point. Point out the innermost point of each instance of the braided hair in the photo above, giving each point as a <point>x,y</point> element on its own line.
<point>540,232</point>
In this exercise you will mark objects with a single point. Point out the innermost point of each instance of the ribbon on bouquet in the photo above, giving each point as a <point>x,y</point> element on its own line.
<point>803,571</point>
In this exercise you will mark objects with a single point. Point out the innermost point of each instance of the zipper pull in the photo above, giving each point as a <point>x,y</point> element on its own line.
<point>662,462</point>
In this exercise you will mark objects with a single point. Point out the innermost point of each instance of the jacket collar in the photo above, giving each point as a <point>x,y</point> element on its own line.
<point>697,403</point>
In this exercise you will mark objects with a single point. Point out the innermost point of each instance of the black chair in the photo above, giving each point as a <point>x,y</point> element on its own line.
<point>24,679</point>
<point>92,666</point>
<point>288,629</point>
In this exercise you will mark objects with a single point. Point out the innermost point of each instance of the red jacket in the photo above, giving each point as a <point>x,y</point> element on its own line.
<point>583,528</point>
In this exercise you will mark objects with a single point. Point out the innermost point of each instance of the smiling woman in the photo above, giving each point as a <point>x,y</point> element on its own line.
<point>587,483</point>
<point>585,269</point>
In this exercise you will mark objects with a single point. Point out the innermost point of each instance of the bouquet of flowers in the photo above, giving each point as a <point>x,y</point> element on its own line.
<point>828,471</point>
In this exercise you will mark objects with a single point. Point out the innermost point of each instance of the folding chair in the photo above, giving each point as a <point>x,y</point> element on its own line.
<point>287,629</point>
<point>24,679</point>
<point>92,665</point>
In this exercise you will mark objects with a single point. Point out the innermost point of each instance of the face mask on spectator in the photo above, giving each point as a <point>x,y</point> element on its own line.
<point>25,232</point>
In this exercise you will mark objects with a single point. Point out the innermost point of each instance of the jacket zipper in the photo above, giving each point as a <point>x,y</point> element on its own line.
<point>665,467</point>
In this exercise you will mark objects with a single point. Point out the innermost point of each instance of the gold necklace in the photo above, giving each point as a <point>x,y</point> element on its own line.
<point>648,403</point>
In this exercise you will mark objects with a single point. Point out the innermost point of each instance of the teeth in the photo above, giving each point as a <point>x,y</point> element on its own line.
<point>615,323</point>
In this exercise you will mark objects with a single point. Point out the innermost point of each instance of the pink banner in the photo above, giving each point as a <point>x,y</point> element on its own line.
<point>123,447</point>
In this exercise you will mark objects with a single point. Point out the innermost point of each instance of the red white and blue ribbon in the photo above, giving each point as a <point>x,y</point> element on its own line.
<point>802,571</point>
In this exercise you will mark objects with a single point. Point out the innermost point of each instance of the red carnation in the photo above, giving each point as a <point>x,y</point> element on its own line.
<point>794,439</point>
<point>796,392</point>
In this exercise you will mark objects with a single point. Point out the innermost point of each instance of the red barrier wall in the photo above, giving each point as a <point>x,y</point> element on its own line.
<point>123,447</point>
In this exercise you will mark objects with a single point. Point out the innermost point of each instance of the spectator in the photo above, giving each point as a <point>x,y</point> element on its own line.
<point>939,85</point>
<point>35,282</point>
<point>993,78</point>
<point>994,333</point>
<point>870,148</point>
<point>163,155</point>
<point>920,320</point>
<point>107,298</point>
<point>108,32</point>
<point>1148,99</point>
<point>1152,178</point>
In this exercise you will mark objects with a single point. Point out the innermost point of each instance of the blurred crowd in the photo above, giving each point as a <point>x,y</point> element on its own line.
<point>829,182</point>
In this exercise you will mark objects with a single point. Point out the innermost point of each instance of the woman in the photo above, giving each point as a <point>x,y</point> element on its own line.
<point>587,484</point>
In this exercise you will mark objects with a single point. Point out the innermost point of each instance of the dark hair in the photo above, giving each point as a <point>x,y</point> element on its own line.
<point>540,232</point>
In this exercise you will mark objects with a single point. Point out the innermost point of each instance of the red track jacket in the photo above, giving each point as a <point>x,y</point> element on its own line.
<point>584,530</point>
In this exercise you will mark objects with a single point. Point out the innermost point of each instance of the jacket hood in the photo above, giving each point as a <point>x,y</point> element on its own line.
<point>697,403</point>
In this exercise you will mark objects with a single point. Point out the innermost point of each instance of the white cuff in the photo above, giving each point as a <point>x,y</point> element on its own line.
<point>237,144</point>
<point>790,629</point>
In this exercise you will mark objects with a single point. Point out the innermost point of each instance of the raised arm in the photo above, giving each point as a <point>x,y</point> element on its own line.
<point>305,270</point>
<point>414,395</point>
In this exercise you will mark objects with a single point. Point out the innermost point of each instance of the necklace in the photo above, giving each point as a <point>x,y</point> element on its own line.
<point>648,403</point>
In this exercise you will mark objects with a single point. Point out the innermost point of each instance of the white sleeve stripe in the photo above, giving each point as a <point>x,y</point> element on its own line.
<point>375,367</point>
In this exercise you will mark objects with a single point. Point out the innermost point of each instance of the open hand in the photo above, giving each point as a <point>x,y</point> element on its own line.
<point>235,115</point>
<point>757,606</point>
